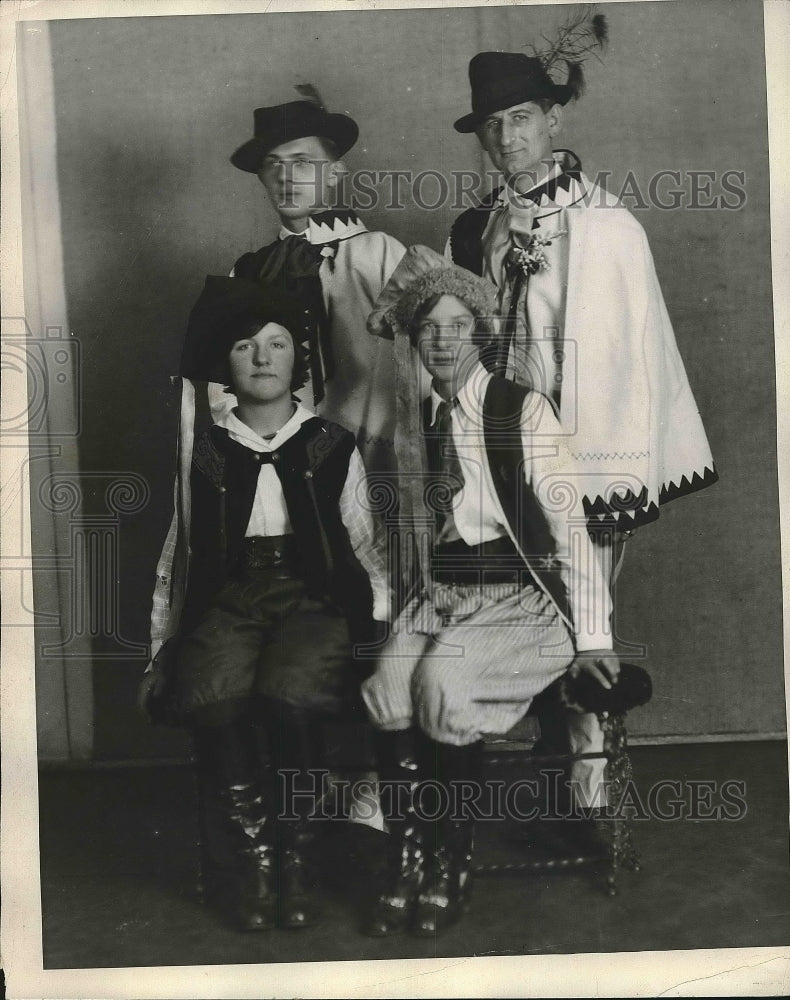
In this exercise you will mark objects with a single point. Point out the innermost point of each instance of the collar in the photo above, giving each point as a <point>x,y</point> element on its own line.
<point>244,435</point>
<point>469,397</point>
<point>554,172</point>
<point>329,227</point>
<point>564,186</point>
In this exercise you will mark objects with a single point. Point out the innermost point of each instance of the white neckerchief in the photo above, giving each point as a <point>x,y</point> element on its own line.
<point>269,514</point>
<point>242,434</point>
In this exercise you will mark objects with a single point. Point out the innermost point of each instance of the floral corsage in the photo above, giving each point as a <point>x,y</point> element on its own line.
<point>532,257</point>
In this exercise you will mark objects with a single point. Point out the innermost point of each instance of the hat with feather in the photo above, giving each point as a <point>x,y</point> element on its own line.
<point>501,80</point>
<point>295,120</point>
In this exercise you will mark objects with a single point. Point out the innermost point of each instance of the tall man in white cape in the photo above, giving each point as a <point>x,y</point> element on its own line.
<point>581,314</point>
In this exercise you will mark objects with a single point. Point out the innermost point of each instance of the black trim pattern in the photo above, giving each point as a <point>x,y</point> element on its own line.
<point>629,511</point>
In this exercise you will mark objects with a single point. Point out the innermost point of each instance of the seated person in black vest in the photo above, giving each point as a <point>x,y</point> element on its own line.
<point>283,578</point>
<point>512,593</point>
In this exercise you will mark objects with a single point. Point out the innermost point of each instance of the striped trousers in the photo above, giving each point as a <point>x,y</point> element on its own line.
<point>468,663</point>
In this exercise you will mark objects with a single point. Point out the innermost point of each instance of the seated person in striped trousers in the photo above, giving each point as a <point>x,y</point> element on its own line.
<point>283,577</point>
<point>512,594</point>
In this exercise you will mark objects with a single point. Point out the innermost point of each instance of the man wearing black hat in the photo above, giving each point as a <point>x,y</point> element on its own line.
<point>271,576</point>
<point>328,259</point>
<point>581,315</point>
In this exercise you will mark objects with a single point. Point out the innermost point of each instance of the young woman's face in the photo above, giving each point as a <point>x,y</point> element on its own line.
<point>261,366</point>
<point>445,339</point>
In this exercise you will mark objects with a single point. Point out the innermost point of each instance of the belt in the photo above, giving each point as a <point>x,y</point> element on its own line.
<point>497,561</point>
<point>262,552</point>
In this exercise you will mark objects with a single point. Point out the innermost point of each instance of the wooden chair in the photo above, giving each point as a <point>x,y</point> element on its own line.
<point>633,689</point>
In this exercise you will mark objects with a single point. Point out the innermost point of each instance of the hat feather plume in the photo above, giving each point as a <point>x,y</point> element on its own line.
<point>584,33</point>
<point>310,93</point>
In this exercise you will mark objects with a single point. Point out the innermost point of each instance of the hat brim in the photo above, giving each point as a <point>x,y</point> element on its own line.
<point>561,94</point>
<point>338,129</point>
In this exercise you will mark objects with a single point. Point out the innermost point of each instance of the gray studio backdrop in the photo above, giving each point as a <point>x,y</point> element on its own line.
<point>147,111</point>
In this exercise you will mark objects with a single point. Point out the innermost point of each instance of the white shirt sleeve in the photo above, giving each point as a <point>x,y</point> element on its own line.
<point>161,624</point>
<point>556,480</point>
<point>366,536</point>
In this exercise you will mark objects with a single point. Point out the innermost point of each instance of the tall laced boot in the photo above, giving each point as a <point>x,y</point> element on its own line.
<point>296,750</point>
<point>449,841</point>
<point>396,762</point>
<point>237,844</point>
<point>254,899</point>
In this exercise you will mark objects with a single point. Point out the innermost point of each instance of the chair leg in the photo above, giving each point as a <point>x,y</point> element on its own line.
<point>620,775</point>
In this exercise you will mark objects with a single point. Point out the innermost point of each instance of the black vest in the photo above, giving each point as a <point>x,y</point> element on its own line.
<point>529,527</point>
<point>502,407</point>
<point>312,467</point>
<point>466,235</point>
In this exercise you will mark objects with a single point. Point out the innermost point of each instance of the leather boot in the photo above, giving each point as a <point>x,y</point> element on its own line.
<point>396,763</point>
<point>254,902</point>
<point>236,831</point>
<point>296,748</point>
<point>449,841</point>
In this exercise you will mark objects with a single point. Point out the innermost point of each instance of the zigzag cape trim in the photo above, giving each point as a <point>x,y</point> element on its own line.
<point>626,403</point>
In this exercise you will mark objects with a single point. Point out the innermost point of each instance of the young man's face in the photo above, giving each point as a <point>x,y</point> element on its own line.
<point>299,177</point>
<point>445,340</point>
<point>518,141</point>
<point>261,366</point>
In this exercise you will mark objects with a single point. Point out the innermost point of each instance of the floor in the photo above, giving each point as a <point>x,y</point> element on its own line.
<point>118,862</point>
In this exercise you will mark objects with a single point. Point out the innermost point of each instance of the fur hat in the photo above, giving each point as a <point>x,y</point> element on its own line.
<point>476,294</point>
<point>421,274</point>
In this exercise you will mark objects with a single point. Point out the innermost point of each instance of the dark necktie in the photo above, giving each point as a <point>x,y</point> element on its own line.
<point>445,464</point>
<point>293,264</point>
<point>518,280</point>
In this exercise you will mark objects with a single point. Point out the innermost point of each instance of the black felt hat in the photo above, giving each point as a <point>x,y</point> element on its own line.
<point>230,309</point>
<point>294,120</point>
<point>500,80</point>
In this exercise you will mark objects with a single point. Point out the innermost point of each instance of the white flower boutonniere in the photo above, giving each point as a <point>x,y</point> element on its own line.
<point>532,257</point>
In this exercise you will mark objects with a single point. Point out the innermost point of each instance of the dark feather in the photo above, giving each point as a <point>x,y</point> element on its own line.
<point>576,79</point>
<point>600,28</point>
<point>310,93</point>
<point>582,34</point>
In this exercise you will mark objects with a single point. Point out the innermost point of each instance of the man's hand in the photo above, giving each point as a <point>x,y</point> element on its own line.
<point>150,686</point>
<point>603,664</point>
